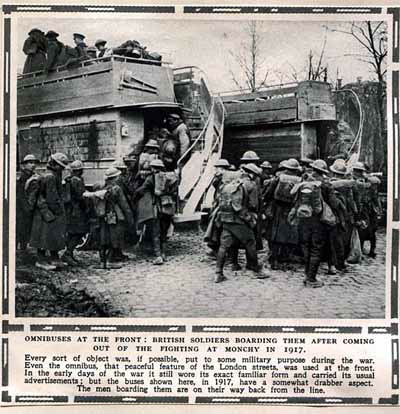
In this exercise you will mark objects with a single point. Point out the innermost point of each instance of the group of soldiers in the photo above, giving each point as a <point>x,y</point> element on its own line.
<point>44,52</point>
<point>304,210</point>
<point>137,199</point>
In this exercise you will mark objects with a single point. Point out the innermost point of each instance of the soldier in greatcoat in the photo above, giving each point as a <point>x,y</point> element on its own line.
<point>56,54</point>
<point>23,210</point>
<point>35,48</point>
<point>238,214</point>
<point>180,132</point>
<point>214,228</point>
<point>49,222</point>
<point>118,216</point>
<point>313,230</point>
<point>282,236</point>
<point>76,209</point>
<point>251,157</point>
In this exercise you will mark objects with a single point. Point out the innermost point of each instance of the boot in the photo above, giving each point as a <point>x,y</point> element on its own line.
<point>219,277</point>
<point>158,261</point>
<point>44,264</point>
<point>274,264</point>
<point>332,270</point>
<point>314,283</point>
<point>67,258</point>
<point>236,267</point>
<point>56,261</point>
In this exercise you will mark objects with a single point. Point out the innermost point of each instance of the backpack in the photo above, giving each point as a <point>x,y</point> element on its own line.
<point>309,199</point>
<point>284,187</point>
<point>231,198</point>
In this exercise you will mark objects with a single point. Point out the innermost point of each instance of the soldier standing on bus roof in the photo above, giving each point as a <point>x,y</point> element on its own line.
<point>80,45</point>
<point>48,227</point>
<point>76,209</point>
<point>180,133</point>
<point>54,50</point>
<point>23,209</point>
<point>35,48</point>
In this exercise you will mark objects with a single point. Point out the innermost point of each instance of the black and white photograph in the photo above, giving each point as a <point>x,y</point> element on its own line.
<point>201,168</point>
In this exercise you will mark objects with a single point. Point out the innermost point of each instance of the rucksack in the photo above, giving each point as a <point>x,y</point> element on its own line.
<point>231,198</point>
<point>165,183</point>
<point>284,187</point>
<point>309,199</point>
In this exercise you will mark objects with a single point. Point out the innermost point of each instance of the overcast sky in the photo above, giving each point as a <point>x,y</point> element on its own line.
<point>208,44</point>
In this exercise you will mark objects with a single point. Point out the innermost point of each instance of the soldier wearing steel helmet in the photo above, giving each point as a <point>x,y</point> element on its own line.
<point>156,206</point>
<point>76,209</point>
<point>367,200</point>
<point>343,187</point>
<point>251,157</point>
<point>214,228</point>
<point>238,214</point>
<point>282,237</point>
<point>23,197</point>
<point>266,205</point>
<point>117,217</point>
<point>314,234</point>
<point>49,222</point>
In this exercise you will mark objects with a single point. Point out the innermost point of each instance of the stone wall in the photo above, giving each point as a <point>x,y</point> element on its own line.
<point>86,141</point>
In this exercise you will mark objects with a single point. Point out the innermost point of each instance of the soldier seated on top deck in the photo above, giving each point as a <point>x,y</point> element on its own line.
<point>101,49</point>
<point>78,53</point>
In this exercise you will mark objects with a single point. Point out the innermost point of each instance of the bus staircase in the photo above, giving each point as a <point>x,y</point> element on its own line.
<point>195,190</point>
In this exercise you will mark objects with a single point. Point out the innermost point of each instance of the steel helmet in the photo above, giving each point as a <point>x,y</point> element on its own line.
<point>152,143</point>
<point>76,165</point>
<point>30,158</point>
<point>320,165</point>
<point>358,166</point>
<point>306,161</point>
<point>374,180</point>
<point>339,167</point>
<point>266,165</point>
<point>222,163</point>
<point>111,173</point>
<point>60,159</point>
<point>157,163</point>
<point>252,168</point>
<point>290,164</point>
<point>250,156</point>
<point>174,116</point>
<point>119,164</point>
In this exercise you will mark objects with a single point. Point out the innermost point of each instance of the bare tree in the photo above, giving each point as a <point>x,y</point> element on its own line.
<point>250,60</point>
<point>314,68</point>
